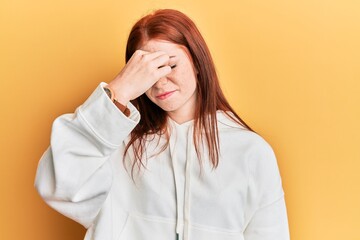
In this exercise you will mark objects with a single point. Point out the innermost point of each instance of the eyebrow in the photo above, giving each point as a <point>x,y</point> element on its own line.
<point>172,56</point>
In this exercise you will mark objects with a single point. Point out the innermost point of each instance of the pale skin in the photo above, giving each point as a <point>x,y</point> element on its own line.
<point>165,73</point>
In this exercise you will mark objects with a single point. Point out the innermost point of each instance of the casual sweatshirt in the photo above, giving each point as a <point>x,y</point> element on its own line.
<point>84,176</point>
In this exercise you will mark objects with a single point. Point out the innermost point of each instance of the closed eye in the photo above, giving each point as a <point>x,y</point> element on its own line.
<point>173,66</point>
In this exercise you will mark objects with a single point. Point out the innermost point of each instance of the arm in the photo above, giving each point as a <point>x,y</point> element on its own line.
<point>74,176</point>
<point>266,210</point>
<point>269,223</point>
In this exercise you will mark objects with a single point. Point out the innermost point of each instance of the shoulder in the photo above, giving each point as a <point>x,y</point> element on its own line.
<point>226,120</point>
<point>234,132</point>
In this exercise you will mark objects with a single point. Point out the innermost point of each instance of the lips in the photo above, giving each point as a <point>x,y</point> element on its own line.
<point>165,95</point>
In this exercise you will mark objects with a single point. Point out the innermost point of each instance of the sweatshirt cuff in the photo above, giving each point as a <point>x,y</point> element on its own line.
<point>106,121</point>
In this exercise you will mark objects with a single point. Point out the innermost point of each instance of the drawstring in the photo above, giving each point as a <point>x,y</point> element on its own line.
<point>189,156</point>
<point>172,142</point>
<point>182,222</point>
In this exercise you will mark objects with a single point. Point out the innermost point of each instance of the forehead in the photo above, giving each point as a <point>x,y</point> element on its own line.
<point>161,45</point>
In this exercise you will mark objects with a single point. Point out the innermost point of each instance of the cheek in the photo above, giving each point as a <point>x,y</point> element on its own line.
<point>191,82</point>
<point>148,94</point>
<point>183,77</point>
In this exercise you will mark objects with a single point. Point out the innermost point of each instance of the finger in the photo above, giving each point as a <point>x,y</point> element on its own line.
<point>150,56</point>
<point>139,53</point>
<point>163,71</point>
<point>160,61</point>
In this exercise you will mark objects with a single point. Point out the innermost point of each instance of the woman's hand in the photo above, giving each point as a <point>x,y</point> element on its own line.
<point>142,71</point>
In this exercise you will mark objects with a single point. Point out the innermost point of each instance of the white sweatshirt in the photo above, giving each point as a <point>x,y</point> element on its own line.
<point>82,176</point>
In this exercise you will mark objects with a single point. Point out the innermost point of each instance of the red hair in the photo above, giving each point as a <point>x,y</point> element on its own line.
<point>174,26</point>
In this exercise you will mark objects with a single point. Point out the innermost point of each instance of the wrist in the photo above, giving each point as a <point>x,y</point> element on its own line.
<point>119,104</point>
<point>118,94</point>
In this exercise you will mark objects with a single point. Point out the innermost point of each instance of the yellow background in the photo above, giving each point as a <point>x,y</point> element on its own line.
<point>290,68</point>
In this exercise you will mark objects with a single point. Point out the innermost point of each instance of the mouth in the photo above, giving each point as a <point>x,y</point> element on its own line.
<point>165,95</point>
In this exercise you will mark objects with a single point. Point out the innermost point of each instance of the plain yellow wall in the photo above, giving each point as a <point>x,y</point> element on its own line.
<point>290,68</point>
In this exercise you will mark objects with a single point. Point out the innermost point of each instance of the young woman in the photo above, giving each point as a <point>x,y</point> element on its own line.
<point>159,154</point>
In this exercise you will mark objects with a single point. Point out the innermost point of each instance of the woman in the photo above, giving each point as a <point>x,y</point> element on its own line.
<point>158,153</point>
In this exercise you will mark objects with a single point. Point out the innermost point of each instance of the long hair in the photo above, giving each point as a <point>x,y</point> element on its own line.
<point>175,27</point>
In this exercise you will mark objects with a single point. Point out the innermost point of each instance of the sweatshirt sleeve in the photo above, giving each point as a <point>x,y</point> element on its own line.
<point>74,175</point>
<point>266,210</point>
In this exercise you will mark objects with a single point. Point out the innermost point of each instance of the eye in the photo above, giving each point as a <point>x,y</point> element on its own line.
<point>173,66</point>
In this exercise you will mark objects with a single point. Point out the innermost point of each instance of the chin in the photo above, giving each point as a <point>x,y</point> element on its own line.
<point>167,108</point>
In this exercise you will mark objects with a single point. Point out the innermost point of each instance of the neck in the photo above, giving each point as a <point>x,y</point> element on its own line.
<point>186,112</point>
<point>181,118</point>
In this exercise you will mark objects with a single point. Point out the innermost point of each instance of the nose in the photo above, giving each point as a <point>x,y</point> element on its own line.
<point>162,81</point>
